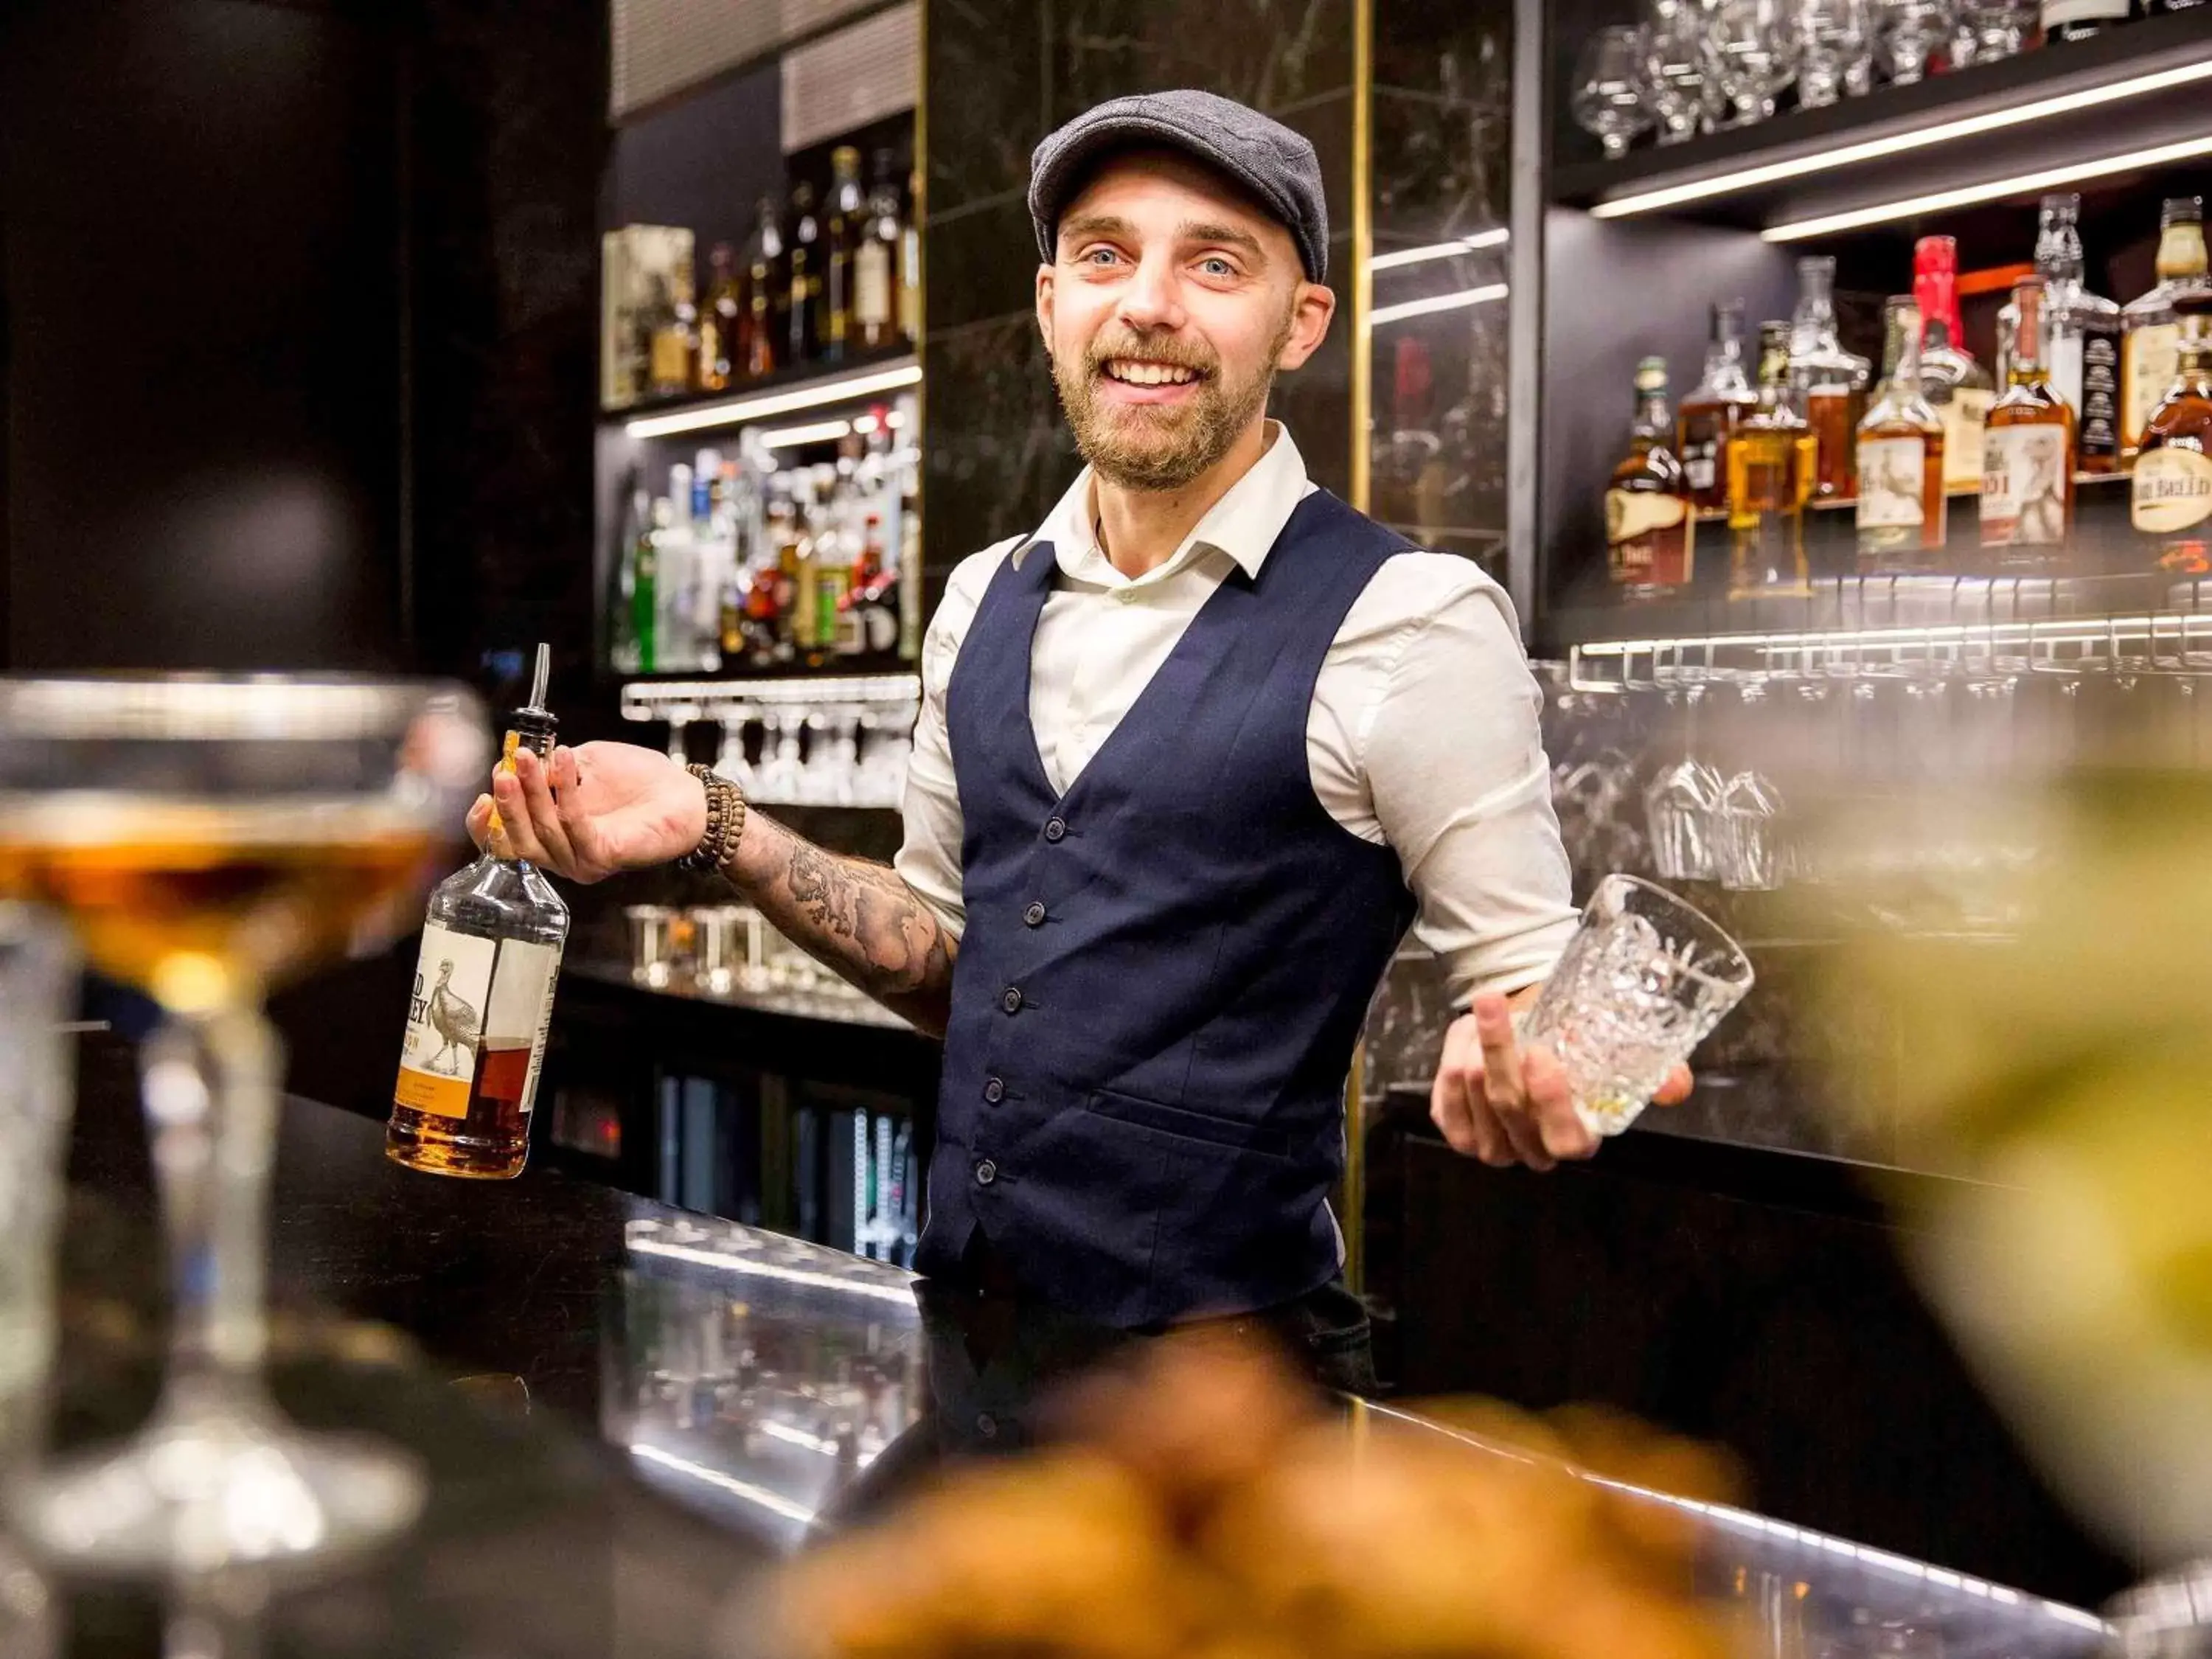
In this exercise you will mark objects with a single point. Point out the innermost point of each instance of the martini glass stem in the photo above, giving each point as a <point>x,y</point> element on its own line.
<point>211,1083</point>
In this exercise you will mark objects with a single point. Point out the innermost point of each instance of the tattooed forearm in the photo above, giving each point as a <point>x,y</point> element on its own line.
<point>858,919</point>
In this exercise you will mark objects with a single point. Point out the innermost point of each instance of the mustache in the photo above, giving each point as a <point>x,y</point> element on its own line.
<point>1160,352</point>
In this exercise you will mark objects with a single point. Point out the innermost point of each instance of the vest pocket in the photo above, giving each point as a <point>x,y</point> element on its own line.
<point>1184,1124</point>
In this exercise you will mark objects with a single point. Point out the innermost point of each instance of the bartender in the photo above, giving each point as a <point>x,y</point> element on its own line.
<point>1193,757</point>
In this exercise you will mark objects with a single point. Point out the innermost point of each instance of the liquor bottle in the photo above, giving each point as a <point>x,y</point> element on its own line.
<point>875,266</point>
<point>1830,383</point>
<point>621,617</point>
<point>718,321</point>
<point>805,253</point>
<point>1650,528</point>
<point>673,332</point>
<point>1958,387</point>
<point>2171,502</point>
<point>846,225</point>
<point>768,297</point>
<point>645,591</point>
<point>909,269</point>
<point>2150,351</point>
<point>2065,20</point>
<point>482,1000</point>
<point>1709,415</point>
<point>2027,454</point>
<point>909,561</point>
<point>2080,346</point>
<point>676,589</point>
<point>1770,462</point>
<point>1904,509</point>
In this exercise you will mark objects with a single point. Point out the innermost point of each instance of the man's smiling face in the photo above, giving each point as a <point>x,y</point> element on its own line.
<point>1171,304</point>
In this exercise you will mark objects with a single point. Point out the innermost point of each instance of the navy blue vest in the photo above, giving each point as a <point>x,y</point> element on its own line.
<point>1165,969</point>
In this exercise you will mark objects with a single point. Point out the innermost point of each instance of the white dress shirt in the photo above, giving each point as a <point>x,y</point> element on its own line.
<point>1422,733</point>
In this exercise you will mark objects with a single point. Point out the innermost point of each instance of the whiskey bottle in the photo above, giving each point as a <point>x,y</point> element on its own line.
<point>2081,346</point>
<point>1955,384</point>
<point>2067,21</point>
<point>482,1001</point>
<point>2150,351</point>
<point>875,266</point>
<point>1830,383</point>
<point>767,325</point>
<point>2028,455</point>
<point>809,290</point>
<point>846,223</point>
<point>718,321</point>
<point>674,352</point>
<point>1771,461</point>
<point>1904,509</point>
<point>1709,415</point>
<point>1650,528</point>
<point>2171,500</point>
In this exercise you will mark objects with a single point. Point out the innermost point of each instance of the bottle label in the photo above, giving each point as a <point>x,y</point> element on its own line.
<point>2173,491</point>
<point>2098,411</point>
<point>1892,472</point>
<point>476,1022</point>
<point>2153,363</point>
<point>1964,419</point>
<point>1651,537</point>
<point>2024,478</point>
<point>872,288</point>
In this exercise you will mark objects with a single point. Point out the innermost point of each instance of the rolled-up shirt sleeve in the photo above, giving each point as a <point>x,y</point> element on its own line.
<point>1454,760</point>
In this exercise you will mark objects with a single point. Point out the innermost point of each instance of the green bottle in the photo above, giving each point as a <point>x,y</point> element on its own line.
<point>645,589</point>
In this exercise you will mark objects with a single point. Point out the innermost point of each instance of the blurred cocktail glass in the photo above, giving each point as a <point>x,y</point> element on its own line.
<point>209,838</point>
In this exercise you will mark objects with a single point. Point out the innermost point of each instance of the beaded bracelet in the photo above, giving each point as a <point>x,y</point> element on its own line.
<point>726,822</point>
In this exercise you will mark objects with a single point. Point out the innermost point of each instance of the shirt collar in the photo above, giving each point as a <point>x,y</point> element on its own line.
<point>1244,523</point>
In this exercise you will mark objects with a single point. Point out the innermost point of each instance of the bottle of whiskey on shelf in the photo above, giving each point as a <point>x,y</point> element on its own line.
<point>1958,387</point>
<point>2171,500</point>
<point>482,1001</point>
<point>2150,351</point>
<point>875,266</point>
<point>2080,339</point>
<point>2028,455</point>
<point>1710,414</point>
<point>1650,528</point>
<point>674,356</point>
<point>1904,509</point>
<point>718,321</point>
<point>1770,462</point>
<point>846,224</point>
<point>1830,383</point>
<point>805,255</point>
<point>767,325</point>
<point>2068,21</point>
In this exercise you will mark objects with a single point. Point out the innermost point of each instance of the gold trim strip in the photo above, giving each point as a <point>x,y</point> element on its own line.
<point>1355,1219</point>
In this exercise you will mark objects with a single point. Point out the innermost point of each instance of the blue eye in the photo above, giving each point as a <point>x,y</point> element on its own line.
<point>1219,267</point>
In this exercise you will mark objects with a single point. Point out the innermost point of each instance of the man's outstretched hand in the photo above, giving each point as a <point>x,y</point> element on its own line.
<point>1504,1104</point>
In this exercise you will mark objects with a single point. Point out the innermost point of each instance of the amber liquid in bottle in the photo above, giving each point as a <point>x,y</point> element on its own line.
<point>2171,500</point>
<point>1902,508</point>
<point>1772,463</point>
<point>1649,525</point>
<point>2027,456</point>
<point>1708,416</point>
<point>1831,381</point>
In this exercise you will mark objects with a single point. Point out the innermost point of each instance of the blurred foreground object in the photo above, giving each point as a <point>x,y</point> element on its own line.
<point>2063,1068</point>
<point>1208,1506</point>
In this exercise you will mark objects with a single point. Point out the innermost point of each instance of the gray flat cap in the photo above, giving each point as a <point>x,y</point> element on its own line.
<point>1264,156</point>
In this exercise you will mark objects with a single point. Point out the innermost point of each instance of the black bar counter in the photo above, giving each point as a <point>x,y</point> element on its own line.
<point>630,1412</point>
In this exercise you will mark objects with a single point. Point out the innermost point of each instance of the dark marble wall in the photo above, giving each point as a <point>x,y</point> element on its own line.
<point>998,75</point>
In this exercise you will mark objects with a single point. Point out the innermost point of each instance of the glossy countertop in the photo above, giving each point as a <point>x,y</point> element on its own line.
<point>630,1412</point>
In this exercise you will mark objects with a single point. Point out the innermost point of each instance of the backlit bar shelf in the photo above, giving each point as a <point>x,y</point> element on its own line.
<point>778,399</point>
<point>2132,99</point>
<point>2177,643</point>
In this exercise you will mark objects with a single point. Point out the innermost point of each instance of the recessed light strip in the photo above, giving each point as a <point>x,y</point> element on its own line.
<point>1466,296</point>
<point>738,410</point>
<point>1897,143</point>
<point>1415,256</point>
<point>1965,195</point>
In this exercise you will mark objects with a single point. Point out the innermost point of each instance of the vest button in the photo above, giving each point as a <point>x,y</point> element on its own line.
<point>986,1425</point>
<point>1034,916</point>
<point>994,1090</point>
<point>1054,829</point>
<point>1011,1001</point>
<point>986,1173</point>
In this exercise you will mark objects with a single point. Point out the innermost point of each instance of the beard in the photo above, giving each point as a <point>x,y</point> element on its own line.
<point>1160,447</point>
